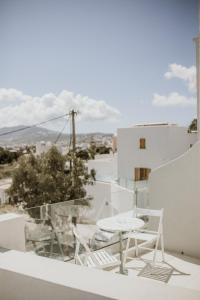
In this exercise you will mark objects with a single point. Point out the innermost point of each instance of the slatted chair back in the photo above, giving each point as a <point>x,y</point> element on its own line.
<point>156,213</point>
<point>147,235</point>
<point>80,241</point>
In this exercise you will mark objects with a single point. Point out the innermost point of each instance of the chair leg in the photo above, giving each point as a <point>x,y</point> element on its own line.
<point>126,250</point>
<point>156,248</point>
<point>162,247</point>
<point>52,243</point>
<point>60,247</point>
<point>136,248</point>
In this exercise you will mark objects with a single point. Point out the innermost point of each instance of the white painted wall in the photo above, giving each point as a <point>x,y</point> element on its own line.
<point>12,231</point>
<point>122,199</point>
<point>101,204</point>
<point>108,199</point>
<point>30,277</point>
<point>163,143</point>
<point>176,187</point>
<point>105,167</point>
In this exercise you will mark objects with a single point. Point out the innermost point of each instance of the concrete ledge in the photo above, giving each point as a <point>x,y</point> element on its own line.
<point>26,276</point>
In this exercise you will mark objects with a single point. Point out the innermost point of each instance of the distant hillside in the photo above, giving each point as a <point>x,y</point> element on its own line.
<point>36,134</point>
<point>28,136</point>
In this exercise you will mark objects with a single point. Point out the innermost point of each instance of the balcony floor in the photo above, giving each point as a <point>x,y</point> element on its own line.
<point>185,270</point>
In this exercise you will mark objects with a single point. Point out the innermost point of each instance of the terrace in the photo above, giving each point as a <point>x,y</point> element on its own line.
<point>46,267</point>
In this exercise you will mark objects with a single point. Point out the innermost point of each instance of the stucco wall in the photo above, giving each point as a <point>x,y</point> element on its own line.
<point>176,187</point>
<point>12,234</point>
<point>105,167</point>
<point>100,205</point>
<point>108,199</point>
<point>163,143</point>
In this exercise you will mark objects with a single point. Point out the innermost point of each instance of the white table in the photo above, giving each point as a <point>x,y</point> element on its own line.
<point>120,224</point>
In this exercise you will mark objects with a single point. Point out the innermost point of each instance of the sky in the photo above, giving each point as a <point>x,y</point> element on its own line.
<point>118,62</point>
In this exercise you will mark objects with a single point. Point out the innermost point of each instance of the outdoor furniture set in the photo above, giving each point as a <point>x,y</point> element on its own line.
<point>128,226</point>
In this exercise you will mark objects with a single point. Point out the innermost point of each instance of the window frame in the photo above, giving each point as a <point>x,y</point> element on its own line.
<point>142,143</point>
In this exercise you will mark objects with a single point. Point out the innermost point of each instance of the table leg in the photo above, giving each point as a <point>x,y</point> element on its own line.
<point>122,270</point>
<point>121,252</point>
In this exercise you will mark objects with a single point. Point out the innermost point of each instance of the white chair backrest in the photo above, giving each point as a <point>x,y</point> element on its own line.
<point>158,213</point>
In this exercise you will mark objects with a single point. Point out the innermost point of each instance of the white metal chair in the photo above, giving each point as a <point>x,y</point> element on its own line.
<point>147,236</point>
<point>99,259</point>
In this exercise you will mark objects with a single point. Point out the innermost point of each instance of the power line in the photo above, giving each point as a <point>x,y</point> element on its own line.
<point>31,126</point>
<point>60,133</point>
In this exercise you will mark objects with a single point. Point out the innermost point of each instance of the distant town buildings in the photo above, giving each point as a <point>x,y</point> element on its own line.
<point>84,142</point>
<point>42,147</point>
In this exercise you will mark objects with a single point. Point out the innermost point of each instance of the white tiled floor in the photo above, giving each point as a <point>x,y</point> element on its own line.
<point>186,271</point>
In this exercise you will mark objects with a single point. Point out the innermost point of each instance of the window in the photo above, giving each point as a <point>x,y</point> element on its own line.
<point>142,174</point>
<point>142,143</point>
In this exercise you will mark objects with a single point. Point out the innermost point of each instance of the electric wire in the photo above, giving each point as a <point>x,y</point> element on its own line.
<point>32,126</point>
<point>60,133</point>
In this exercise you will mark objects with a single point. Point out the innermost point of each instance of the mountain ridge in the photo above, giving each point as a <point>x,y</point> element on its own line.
<point>36,134</point>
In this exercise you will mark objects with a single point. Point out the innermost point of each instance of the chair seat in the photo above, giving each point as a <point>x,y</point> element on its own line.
<point>143,236</point>
<point>104,236</point>
<point>102,259</point>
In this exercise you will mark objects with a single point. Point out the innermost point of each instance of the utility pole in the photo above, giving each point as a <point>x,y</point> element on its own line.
<point>73,167</point>
<point>73,113</point>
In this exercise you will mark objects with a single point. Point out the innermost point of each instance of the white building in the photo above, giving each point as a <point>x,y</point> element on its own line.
<point>4,186</point>
<point>175,187</point>
<point>42,147</point>
<point>142,148</point>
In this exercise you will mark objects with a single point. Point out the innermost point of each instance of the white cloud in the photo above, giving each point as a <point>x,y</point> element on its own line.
<point>186,74</point>
<point>17,108</point>
<point>173,99</point>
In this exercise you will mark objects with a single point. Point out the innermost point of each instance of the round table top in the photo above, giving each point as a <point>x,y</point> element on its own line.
<point>119,223</point>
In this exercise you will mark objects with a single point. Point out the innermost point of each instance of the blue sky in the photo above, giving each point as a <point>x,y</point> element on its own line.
<point>117,51</point>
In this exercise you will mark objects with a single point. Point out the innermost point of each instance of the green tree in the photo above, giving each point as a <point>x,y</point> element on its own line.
<point>92,150</point>
<point>46,179</point>
<point>83,154</point>
<point>193,125</point>
<point>103,150</point>
<point>7,157</point>
<point>77,176</point>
